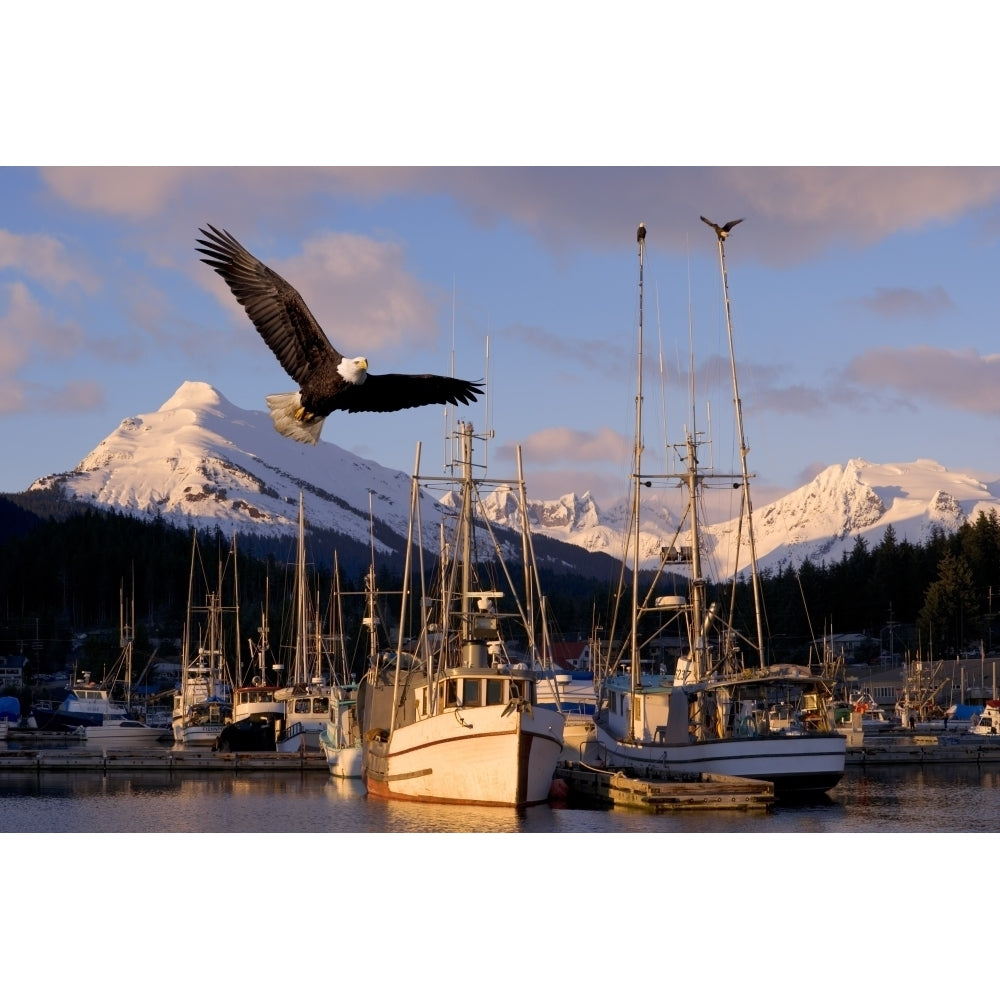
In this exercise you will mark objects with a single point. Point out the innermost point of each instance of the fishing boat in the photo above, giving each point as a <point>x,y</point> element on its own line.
<point>988,723</point>
<point>10,715</point>
<point>306,696</point>
<point>257,713</point>
<point>119,728</point>
<point>861,713</point>
<point>716,711</point>
<point>203,704</point>
<point>340,740</point>
<point>89,710</point>
<point>452,717</point>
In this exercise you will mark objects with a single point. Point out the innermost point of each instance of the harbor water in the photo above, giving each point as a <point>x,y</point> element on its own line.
<point>279,870</point>
<point>932,798</point>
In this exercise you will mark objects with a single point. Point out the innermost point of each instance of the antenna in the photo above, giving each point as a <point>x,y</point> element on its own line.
<point>722,233</point>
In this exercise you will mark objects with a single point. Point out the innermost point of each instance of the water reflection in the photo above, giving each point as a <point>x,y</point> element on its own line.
<point>890,799</point>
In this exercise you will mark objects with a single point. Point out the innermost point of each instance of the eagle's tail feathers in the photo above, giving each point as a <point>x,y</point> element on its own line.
<point>286,412</point>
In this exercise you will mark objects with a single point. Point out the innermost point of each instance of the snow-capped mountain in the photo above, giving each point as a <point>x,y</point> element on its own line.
<point>200,460</point>
<point>819,521</point>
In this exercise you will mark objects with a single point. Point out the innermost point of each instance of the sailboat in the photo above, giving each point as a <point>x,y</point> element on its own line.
<point>89,709</point>
<point>307,695</point>
<point>715,713</point>
<point>452,718</point>
<point>118,728</point>
<point>203,704</point>
<point>257,713</point>
<point>340,740</point>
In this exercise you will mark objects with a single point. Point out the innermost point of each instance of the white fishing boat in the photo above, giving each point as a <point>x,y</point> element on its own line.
<point>119,727</point>
<point>988,723</point>
<point>715,712</point>
<point>340,740</point>
<point>862,714</point>
<point>306,697</point>
<point>89,711</point>
<point>203,704</point>
<point>452,719</point>
<point>257,714</point>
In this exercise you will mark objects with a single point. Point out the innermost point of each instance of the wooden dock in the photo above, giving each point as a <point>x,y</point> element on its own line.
<point>656,792</point>
<point>923,749</point>
<point>154,759</point>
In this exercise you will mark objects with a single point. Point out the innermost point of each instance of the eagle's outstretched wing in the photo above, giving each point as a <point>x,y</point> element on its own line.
<point>327,380</point>
<point>385,393</point>
<point>721,231</point>
<point>275,308</point>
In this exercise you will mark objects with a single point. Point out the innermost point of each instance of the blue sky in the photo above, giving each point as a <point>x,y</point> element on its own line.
<point>863,298</point>
<point>864,314</point>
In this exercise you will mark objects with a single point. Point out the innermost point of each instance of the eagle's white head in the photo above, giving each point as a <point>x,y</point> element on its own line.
<point>353,370</point>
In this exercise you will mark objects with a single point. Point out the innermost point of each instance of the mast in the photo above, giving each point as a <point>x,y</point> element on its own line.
<point>186,654</point>
<point>127,633</point>
<point>299,668</point>
<point>721,233</point>
<point>635,667</point>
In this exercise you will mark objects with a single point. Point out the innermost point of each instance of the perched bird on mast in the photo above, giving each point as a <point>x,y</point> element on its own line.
<point>721,231</point>
<point>327,380</point>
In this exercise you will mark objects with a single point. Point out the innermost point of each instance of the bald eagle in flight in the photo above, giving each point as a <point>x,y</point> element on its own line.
<point>327,380</point>
<point>721,231</point>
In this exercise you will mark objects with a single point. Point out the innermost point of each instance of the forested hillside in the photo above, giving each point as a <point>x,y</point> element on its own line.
<point>61,578</point>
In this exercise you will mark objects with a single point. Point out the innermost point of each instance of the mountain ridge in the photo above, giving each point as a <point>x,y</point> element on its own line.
<point>199,460</point>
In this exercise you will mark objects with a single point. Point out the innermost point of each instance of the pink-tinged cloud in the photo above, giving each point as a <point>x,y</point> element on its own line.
<point>18,397</point>
<point>359,291</point>
<point>27,330</point>
<point>29,334</point>
<point>133,192</point>
<point>963,380</point>
<point>563,446</point>
<point>908,303</point>
<point>43,259</point>
<point>792,212</point>
<point>602,356</point>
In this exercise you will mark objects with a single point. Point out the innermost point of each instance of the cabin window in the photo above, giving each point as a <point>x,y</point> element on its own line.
<point>301,706</point>
<point>321,705</point>
<point>494,691</point>
<point>451,693</point>
<point>470,693</point>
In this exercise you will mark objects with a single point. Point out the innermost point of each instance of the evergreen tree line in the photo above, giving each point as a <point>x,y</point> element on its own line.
<point>63,577</point>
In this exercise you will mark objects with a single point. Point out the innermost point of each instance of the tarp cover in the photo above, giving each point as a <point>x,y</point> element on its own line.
<point>10,708</point>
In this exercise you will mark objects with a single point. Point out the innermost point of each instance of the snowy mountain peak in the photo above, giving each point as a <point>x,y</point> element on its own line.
<point>199,459</point>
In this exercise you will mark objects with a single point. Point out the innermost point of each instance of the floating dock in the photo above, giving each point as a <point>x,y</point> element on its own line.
<point>155,759</point>
<point>929,749</point>
<point>656,792</point>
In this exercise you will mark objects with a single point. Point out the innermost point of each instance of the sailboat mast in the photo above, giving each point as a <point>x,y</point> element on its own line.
<point>721,234</point>
<point>465,523</point>
<point>300,600</point>
<point>635,667</point>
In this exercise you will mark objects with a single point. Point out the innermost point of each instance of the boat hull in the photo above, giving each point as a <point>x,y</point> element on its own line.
<point>803,764</point>
<point>482,756</point>
<point>343,762</point>
<point>126,735</point>
<point>199,736</point>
